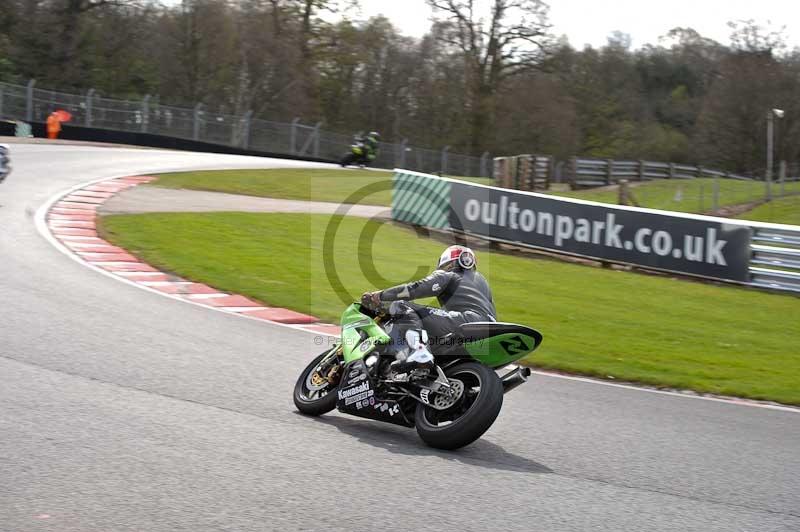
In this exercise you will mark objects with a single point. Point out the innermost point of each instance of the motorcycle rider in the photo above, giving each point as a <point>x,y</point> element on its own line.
<point>371,142</point>
<point>464,296</point>
<point>363,151</point>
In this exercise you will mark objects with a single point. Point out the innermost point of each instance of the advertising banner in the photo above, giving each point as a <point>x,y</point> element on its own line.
<point>684,244</point>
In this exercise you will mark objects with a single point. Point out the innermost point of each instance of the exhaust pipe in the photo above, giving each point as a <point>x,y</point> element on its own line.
<point>514,378</point>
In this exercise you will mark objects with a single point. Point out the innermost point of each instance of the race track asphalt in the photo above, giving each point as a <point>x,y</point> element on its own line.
<point>123,410</point>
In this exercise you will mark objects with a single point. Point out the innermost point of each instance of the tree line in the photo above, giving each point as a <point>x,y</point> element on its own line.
<point>497,80</point>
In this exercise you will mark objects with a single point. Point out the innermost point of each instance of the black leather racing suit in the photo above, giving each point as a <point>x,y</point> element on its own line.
<point>464,296</point>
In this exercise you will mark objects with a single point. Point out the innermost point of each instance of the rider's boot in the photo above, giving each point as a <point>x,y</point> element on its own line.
<point>420,357</point>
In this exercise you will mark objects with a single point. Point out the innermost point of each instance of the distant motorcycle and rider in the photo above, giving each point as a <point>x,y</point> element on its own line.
<point>363,150</point>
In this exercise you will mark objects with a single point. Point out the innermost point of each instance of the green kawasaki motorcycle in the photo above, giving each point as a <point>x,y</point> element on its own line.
<point>451,406</point>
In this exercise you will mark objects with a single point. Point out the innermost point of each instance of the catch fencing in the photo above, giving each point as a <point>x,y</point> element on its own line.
<point>33,104</point>
<point>755,254</point>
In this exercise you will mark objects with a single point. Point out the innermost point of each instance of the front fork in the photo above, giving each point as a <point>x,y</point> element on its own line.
<point>329,368</point>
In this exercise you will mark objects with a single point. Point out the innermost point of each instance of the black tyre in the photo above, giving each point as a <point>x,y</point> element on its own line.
<point>314,400</point>
<point>469,418</point>
<point>350,158</point>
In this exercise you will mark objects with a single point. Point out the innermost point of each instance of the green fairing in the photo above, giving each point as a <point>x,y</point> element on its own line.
<point>501,349</point>
<point>354,321</point>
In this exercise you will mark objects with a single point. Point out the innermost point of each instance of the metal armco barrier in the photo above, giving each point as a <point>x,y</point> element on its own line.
<point>756,254</point>
<point>584,173</point>
<point>776,257</point>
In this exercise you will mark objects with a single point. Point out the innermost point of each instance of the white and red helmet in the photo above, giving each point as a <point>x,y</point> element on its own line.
<point>454,256</point>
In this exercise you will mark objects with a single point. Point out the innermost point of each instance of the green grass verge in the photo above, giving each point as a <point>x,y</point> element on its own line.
<point>649,329</point>
<point>781,211</point>
<point>683,195</point>
<point>295,183</point>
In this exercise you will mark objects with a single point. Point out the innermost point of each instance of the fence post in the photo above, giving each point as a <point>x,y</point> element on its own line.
<point>609,171</point>
<point>484,158</point>
<point>89,96</point>
<point>768,186</point>
<point>715,195</point>
<point>145,112</point>
<point>622,192</point>
<point>671,171</point>
<point>400,161</point>
<point>641,170</point>
<point>29,101</point>
<point>246,121</point>
<point>293,137</point>
<point>443,169</point>
<point>572,173</point>
<point>702,197</point>
<point>316,138</point>
<point>196,130</point>
<point>782,176</point>
<point>1,102</point>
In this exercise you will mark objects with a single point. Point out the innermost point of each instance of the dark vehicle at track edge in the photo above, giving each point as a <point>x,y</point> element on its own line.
<point>5,162</point>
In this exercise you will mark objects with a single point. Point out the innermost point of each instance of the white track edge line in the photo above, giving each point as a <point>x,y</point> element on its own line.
<point>686,395</point>
<point>40,220</point>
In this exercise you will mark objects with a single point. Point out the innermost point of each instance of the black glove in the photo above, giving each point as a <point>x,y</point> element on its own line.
<point>371,300</point>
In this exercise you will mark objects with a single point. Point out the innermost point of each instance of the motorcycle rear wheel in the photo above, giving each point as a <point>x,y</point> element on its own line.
<point>466,421</point>
<point>314,402</point>
<point>349,159</point>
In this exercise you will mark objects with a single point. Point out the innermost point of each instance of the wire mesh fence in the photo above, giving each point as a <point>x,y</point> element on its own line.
<point>712,195</point>
<point>33,104</point>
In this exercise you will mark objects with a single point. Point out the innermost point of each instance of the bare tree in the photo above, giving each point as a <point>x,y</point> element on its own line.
<point>508,39</point>
<point>69,16</point>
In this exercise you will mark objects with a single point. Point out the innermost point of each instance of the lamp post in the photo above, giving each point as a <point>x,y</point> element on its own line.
<point>771,115</point>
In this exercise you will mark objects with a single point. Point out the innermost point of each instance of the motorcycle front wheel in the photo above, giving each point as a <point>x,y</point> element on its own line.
<point>470,417</point>
<point>313,394</point>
